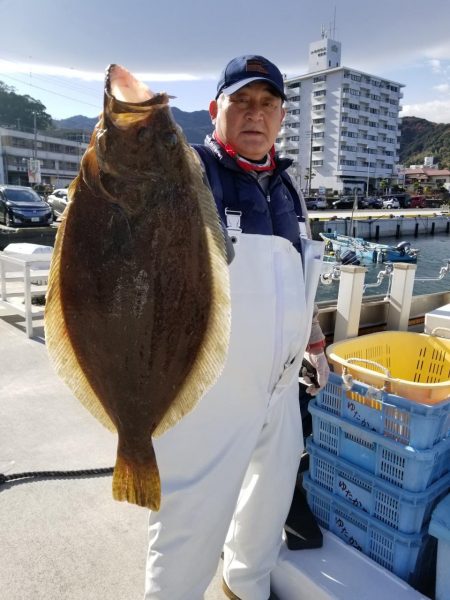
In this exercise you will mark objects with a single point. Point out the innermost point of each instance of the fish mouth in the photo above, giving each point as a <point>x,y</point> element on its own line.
<point>124,87</point>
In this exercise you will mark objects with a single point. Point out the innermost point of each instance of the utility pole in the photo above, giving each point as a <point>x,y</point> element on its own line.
<point>367,187</point>
<point>310,160</point>
<point>35,136</point>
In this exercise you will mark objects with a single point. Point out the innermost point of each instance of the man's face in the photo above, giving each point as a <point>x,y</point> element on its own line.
<point>249,120</point>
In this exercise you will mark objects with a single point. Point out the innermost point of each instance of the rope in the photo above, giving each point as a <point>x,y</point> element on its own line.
<point>55,474</point>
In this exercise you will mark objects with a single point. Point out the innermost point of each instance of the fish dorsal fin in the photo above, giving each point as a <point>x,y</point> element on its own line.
<point>213,352</point>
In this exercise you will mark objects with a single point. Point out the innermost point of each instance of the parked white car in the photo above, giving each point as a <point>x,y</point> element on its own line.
<point>316,203</point>
<point>58,201</point>
<point>391,203</point>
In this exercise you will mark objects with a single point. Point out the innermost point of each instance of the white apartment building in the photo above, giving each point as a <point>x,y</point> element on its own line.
<point>341,124</point>
<point>59,159</point>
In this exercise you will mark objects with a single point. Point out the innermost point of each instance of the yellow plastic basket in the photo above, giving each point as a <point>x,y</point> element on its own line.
<point>415,366</point>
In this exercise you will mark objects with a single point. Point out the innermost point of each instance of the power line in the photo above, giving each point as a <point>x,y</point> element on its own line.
<point>97,106</point>
<point>68,84</point>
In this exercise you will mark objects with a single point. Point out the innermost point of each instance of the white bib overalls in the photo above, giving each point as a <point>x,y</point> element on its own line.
<point>231,464</point>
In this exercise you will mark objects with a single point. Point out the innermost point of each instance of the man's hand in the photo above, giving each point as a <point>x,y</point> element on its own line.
<point>318,360</point>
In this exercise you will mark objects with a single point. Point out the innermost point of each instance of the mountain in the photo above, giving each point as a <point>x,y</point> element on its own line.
<point>196,125</point>
<point>420,138</point>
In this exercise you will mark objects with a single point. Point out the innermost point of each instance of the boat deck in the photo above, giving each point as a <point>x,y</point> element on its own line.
<point>67,539</point>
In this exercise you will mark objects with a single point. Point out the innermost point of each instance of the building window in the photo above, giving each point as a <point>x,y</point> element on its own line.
<point>319,78</point>
<point>319,93</point>
<point>317,163</point>
<point>294,85</point>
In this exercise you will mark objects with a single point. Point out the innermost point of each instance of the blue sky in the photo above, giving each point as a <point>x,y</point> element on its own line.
<point>57,50</point>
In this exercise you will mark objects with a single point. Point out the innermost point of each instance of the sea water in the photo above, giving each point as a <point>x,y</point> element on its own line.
<point>433,255</point>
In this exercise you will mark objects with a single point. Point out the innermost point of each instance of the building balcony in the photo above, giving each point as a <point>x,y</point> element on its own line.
<point>290,118</point>
<point>292,91</point>
<point>292,104</point>
<point>287,144</point>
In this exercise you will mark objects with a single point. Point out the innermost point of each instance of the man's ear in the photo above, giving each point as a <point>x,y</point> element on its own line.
<point>213,110</point>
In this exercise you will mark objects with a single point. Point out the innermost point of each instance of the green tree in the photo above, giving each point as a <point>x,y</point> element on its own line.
<point>15,108</point>
<point>384,184</point>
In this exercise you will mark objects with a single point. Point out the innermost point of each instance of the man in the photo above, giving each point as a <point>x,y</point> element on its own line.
<point>231,464</point>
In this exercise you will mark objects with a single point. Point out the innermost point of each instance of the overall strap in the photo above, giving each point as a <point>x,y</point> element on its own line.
<point>223,187</point>
<point>294,194</point>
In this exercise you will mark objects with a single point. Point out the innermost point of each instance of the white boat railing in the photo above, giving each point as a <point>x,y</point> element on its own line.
<point>351,281</point>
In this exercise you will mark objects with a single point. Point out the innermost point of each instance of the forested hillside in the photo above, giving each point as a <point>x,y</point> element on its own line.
<point>420,138</point>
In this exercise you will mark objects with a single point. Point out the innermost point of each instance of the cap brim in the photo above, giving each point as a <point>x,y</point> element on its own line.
<point>231,89</point>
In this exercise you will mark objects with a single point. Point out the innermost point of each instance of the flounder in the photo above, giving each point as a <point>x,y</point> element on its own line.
<point>137,317</point>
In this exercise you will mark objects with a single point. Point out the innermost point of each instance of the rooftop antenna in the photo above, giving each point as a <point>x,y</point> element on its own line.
<point>333,29</point>
<point>323,32</point>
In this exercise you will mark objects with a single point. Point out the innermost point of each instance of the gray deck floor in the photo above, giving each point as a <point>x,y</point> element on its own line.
<point>64,539</point>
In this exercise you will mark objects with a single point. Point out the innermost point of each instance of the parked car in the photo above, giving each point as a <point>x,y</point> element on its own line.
<point>371,203</point>
<point>402,198</point>
<point>347,203</point>
<point>391,203</point>
<point>20,205</point>
<point>58,201</point>
<point>316,203</point>
<point>418,202</point>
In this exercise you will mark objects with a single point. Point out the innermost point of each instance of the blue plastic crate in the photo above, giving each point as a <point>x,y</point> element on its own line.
<point>397,552</point>
<point>406,421</point>
<point>402,510</point>
<point>403,466</point>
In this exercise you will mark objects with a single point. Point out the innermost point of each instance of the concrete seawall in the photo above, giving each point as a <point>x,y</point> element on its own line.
<point>373,228</point>
<point>370,227</point>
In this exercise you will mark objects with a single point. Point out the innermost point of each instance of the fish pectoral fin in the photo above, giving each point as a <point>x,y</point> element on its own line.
<point>137,482</point>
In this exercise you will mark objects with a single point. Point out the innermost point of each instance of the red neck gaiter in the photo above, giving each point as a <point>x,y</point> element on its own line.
<point>244,163</point>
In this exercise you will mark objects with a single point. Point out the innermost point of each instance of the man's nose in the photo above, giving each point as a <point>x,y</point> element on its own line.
<point>254,110</point>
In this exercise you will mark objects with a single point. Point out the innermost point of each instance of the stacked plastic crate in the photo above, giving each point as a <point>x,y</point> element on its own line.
<point>380,461</point>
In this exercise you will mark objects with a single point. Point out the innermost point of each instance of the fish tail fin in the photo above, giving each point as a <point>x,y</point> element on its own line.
<point>137,483</point>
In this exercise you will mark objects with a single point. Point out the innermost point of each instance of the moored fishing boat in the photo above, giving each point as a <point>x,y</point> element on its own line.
<point>368,252</point>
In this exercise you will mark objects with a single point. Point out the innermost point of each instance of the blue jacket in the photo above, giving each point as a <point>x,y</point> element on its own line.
<point>275,212</point>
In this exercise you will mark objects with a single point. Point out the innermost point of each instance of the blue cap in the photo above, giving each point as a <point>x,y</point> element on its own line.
<point>244,70</point>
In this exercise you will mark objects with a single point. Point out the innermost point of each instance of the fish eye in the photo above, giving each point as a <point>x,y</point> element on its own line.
<point>171,139</point>
<point>143,134</point>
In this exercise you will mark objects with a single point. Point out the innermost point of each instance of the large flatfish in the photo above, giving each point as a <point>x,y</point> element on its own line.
<point>137,316</point>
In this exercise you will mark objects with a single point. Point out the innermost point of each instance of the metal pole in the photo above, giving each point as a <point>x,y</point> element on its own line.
<point>310,161</point>
<point>367,187</point>
<point>35,136</point>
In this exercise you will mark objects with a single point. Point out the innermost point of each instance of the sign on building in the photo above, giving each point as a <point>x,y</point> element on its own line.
<point>34,170</point>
